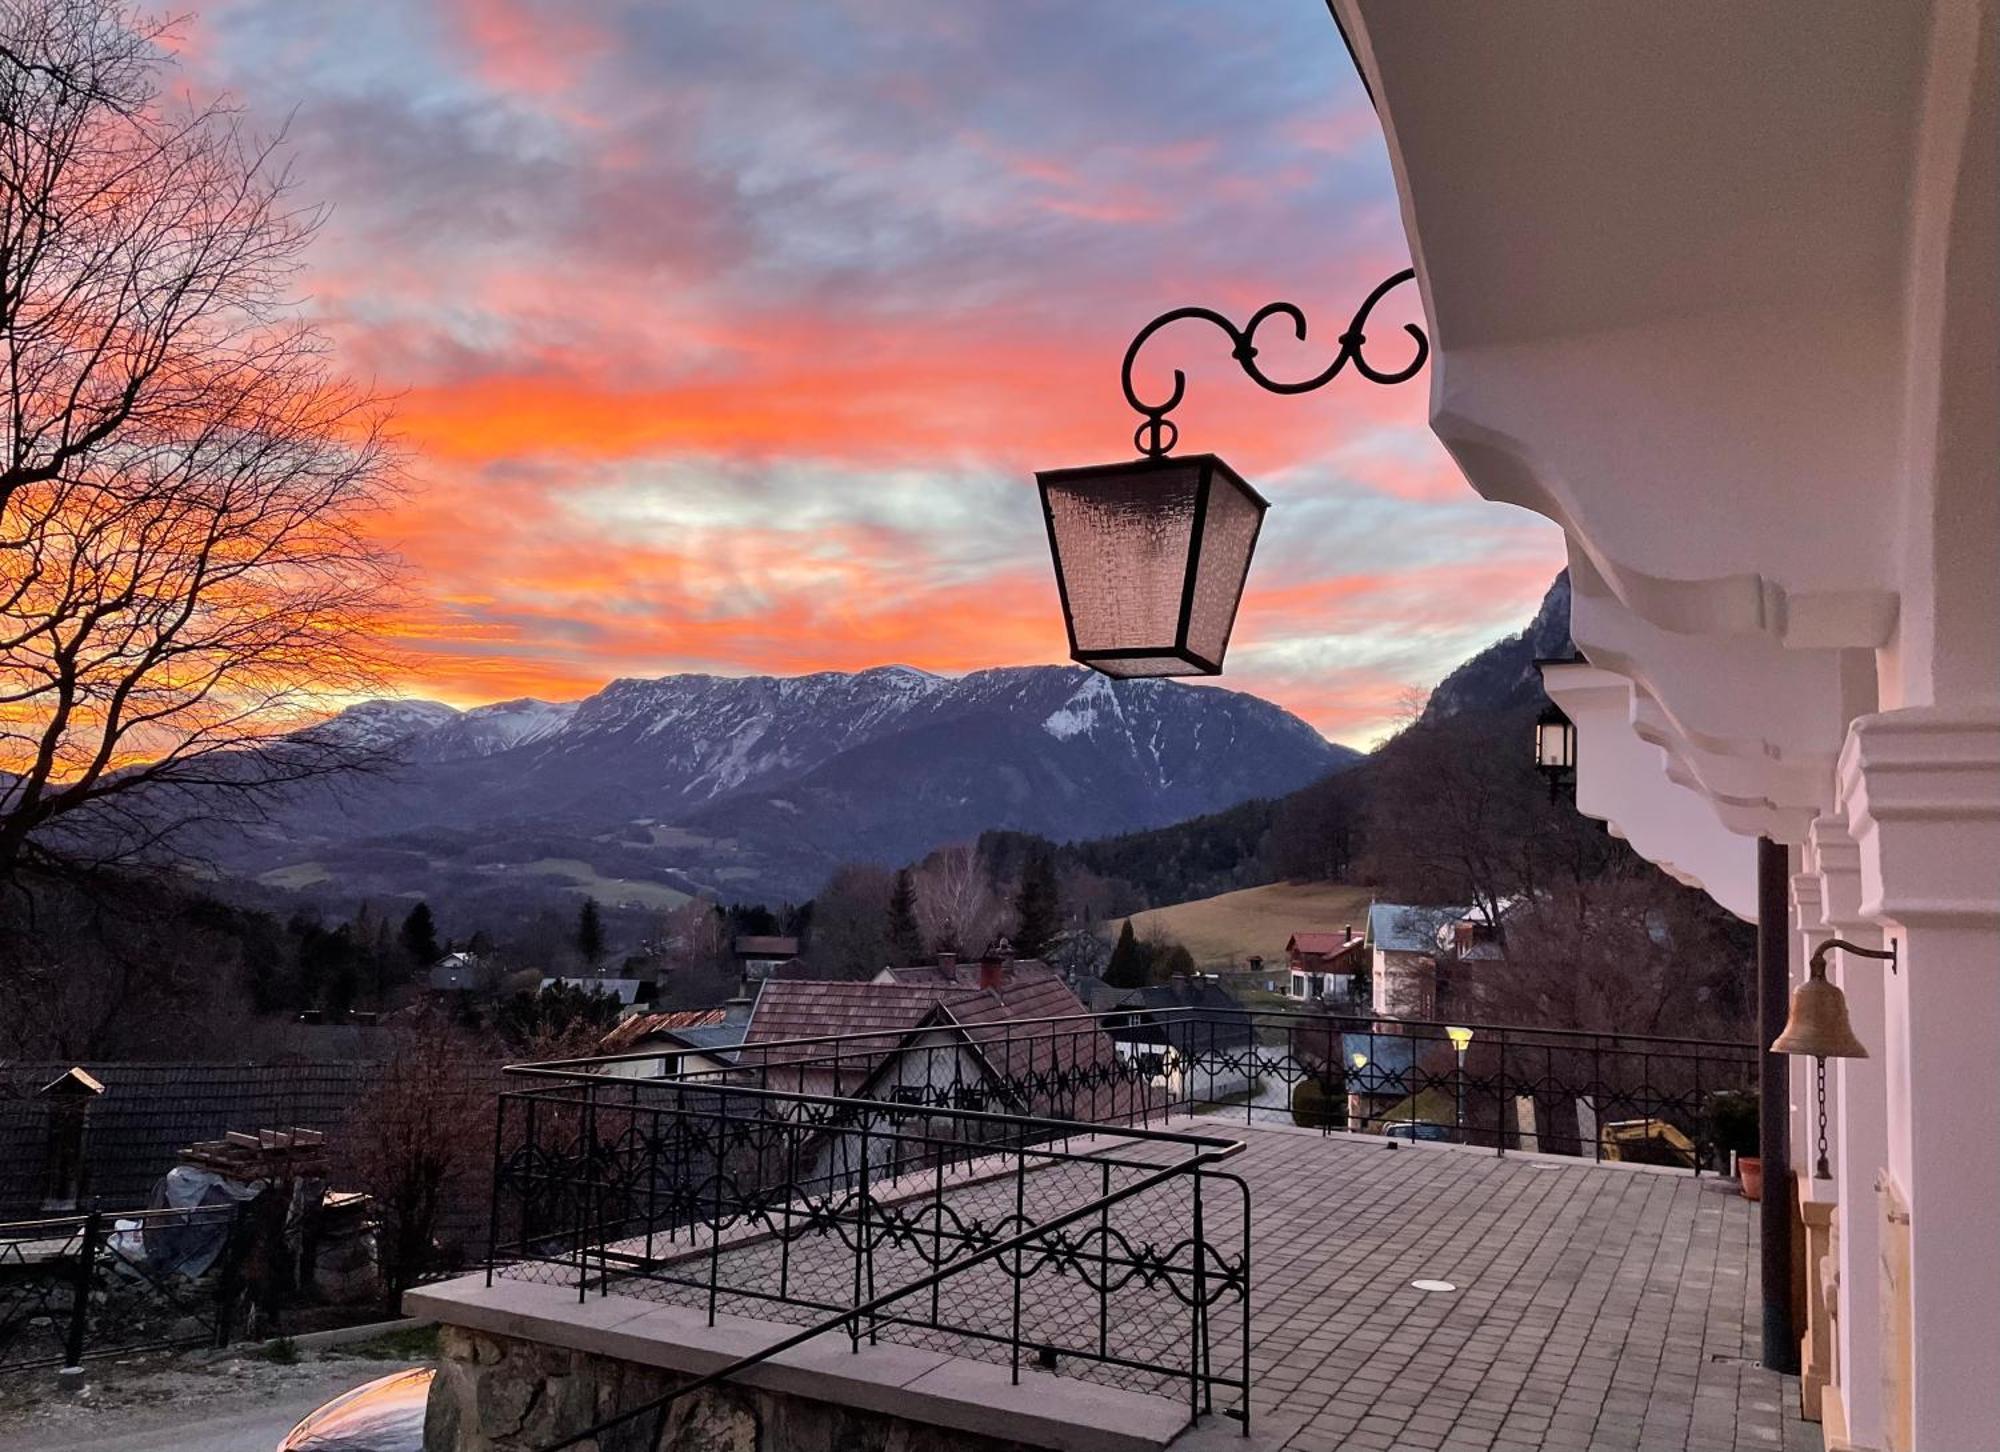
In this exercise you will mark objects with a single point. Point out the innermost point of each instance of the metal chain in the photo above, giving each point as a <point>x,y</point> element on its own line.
<point>1821,1171</point>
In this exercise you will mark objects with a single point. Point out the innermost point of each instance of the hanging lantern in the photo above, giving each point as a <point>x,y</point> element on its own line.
<point>1151,555</point>
<point>1150,561</point>
<point>1555,742</point>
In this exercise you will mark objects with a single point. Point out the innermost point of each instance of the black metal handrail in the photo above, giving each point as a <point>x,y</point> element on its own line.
<point>1648,1098</point>
<point>595,1063</point>
<point>877,1145</point>
<point>804,1204</point>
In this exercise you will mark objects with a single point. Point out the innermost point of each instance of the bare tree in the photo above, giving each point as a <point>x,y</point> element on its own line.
<point>114,966</point>
<point>185,573</point>
<point>849,937</point>
<point>1628,952</point>
<point>419,1140</point>
<point>957,907</point>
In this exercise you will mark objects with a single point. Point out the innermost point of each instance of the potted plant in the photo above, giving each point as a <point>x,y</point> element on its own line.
<point>1732,1126</point>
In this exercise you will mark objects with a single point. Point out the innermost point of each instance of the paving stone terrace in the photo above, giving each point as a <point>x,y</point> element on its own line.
<point>1596,1308</point>
<point>1606,1308</point>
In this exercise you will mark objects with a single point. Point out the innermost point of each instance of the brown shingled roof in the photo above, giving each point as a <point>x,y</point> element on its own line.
<point>890,1015</point>
<point>630,1032</point>
<point>793,1008</point>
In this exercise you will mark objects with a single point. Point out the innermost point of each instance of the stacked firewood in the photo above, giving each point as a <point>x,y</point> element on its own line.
<point>267,1154</point>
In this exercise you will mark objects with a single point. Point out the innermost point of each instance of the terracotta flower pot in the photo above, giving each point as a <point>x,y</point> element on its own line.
<point>1751,1173</point>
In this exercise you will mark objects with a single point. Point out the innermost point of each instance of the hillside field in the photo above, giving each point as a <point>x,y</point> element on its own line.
<point>1226,930</point>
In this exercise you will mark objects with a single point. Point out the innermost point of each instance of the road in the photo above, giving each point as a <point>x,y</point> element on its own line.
<point>187,1412</point>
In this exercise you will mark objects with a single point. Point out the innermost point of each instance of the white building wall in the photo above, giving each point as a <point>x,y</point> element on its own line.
<point>1744,348</point>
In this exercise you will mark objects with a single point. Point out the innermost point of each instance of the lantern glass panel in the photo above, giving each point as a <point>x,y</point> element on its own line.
<point>1122,540</point>
<point>1228,534</point>
<point>1553,745</point>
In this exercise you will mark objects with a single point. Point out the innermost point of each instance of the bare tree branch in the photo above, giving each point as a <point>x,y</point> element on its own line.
<point>187,571</point>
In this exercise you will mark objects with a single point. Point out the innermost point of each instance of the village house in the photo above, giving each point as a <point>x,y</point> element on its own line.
<point>692,1042</point>
<point>759,955</point>
<point>1326,965</point>
<point>1190,1036</point>
<point>969,1035</point>
<point>1407,947</point>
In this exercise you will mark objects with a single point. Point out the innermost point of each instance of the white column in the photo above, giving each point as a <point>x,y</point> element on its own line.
<point>1860,1139</point>
<point>1921,789</point>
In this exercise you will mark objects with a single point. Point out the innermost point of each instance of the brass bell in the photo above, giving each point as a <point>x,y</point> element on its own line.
<point>1817,1024</point>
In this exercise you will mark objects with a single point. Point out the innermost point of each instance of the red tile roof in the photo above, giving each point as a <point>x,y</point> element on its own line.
<point>1321,945</point>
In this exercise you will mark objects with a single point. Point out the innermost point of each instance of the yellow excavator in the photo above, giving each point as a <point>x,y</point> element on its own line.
<point>1645,1142</point>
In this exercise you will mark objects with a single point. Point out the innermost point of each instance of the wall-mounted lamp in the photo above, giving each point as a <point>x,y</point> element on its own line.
<point>1818,1026</point>
<point>1151,556</point>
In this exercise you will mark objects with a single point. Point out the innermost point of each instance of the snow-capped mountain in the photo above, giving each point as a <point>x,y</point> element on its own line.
<point>757,786</point>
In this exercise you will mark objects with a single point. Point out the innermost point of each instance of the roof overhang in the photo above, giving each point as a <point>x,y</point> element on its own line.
<point>1711,286</point>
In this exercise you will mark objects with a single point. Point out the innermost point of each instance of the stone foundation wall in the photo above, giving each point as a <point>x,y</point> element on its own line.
<point>501,1394</point>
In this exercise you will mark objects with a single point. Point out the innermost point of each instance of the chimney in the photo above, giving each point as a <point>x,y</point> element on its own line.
<point>947,961</point>
<point>992,971</point>
<point>1347,933</point>
<point>64,1172</point>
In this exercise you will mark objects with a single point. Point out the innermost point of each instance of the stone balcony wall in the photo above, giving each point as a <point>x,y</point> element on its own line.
<point>496,1393</point>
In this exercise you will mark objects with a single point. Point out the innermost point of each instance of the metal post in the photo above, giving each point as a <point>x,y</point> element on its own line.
<point>86,1273</point>
<point>229,1283</point>
<point>860,1242</point>
<point>493,1203</point>
<point>586,1198</point>
<point>715,1203</point>
<point>1461,1096</point>
<point>1774,1148</point>
<point>1197,1328</point>
<point>1020,1225</point>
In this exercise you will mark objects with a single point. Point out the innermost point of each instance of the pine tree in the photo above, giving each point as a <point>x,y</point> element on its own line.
<point>1037,906</point>
<point>906,940</point>
<point>1130,963</point>
<point>590,932</point>
<point>420,938</point>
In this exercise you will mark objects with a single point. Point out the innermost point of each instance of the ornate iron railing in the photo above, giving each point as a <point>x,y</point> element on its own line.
<point>82,1286</point>
<point>1114,1254</point>
<point>1658,1100</point>
<point>1008,1189</point>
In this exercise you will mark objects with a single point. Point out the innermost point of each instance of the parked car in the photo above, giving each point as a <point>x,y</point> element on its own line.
<point>386,1415</point>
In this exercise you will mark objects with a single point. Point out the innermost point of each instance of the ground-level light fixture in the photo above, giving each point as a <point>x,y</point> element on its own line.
<point>1818,1027</point>
<point>1151,556</point>
<point>1461,1040</point>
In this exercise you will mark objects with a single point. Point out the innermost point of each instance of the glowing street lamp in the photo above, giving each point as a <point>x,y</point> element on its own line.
<point>1461,1040</point>
<point>1151,556</point>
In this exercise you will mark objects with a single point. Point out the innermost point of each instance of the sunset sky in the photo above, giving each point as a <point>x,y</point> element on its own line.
<point>728,333</point>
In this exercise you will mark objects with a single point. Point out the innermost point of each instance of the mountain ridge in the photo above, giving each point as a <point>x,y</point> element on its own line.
<point>757,786</point>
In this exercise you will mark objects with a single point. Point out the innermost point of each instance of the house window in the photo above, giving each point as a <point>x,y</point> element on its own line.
<point>1299,988</point>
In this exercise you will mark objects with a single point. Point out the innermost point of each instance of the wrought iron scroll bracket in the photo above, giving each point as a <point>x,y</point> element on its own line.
<point>1157,435</point>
